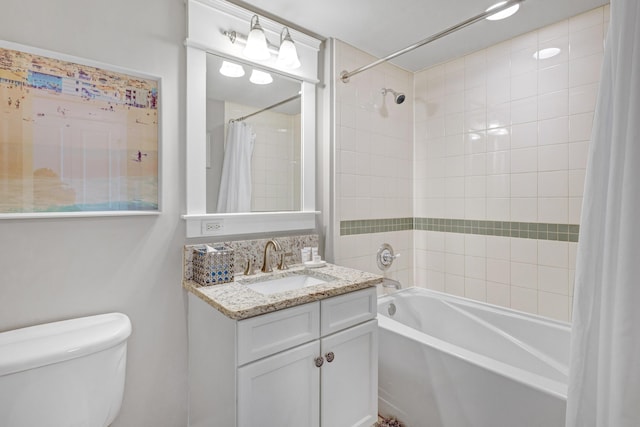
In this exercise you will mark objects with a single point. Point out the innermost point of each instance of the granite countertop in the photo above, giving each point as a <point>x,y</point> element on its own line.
<point>237,301</point>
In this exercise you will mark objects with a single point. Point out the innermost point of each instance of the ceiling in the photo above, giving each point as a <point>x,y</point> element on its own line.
<point>382,27</point>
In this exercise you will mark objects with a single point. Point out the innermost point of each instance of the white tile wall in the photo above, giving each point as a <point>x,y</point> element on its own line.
<point>495,135</point>
<point>500,135</point>
<point>374,162</point>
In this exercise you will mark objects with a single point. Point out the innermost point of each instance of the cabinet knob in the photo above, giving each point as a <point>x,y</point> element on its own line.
<point>330,356</point>
<point>319,361</point>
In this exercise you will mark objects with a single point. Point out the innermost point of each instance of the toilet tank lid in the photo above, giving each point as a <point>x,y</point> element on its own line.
<point>40,345</point>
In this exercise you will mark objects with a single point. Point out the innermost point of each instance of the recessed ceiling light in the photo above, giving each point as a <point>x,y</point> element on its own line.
<point>231,69</point>
<point>503,13</point>
<point>546,53</point>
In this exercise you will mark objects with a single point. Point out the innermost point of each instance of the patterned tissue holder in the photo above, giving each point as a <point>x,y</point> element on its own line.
<point>213,268</point>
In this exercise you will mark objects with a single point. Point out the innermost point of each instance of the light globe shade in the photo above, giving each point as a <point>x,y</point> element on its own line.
<point>503,13</point>
<point>231,69</point>
<point>260,77</point>
<point>288,54</point>
<point>256,47</point>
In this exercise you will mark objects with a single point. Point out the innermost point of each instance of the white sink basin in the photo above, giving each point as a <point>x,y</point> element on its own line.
<point>284,284</point>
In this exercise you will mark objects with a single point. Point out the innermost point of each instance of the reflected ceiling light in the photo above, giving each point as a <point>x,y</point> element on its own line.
<point>287,54</point>
<point>256,47</point>
<point>503,13</point>
<point>546,53</point>
<point>498,131</point>
<point>231,69</point>
<point>260,77</point>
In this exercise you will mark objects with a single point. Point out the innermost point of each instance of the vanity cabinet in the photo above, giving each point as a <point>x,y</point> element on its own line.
<point>312,365</point>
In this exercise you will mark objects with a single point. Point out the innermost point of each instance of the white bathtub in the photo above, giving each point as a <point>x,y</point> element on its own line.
<point>452,362</point>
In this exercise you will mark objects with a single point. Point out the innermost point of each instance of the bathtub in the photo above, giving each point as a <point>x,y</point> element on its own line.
<point>452,362</point>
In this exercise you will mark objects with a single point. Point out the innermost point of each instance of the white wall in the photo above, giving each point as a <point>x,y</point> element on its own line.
<point>63,268</point>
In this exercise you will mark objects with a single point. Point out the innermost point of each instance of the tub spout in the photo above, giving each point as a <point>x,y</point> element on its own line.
<point>390,283</point>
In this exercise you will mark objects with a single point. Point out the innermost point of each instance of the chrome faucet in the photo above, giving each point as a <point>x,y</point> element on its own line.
<point>266,262</point>
<point>390,283</point>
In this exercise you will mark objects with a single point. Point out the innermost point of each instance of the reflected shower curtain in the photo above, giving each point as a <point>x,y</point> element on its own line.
<point>604,380</point>
<point>235,183</point>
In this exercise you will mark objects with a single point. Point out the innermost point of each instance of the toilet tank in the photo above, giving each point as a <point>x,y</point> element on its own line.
<point>69,373</point>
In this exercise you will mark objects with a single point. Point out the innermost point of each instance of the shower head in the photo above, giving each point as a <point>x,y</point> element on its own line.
<point>398,97</point>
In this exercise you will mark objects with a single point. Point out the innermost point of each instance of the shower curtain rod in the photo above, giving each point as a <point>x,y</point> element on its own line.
<point>239,119</point>
<point>345,75</point>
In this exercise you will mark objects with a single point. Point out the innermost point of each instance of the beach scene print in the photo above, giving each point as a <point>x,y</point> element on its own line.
<point>75,138</point>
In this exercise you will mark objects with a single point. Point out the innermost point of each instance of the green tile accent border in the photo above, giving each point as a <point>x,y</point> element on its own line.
<point>367,226</point>
<point>525,230</point>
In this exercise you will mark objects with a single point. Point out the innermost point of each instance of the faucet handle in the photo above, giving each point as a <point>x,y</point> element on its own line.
<point>282,265</point>
<point>249,269</point>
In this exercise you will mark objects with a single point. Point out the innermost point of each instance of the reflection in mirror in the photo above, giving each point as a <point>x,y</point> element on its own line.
<point>253,139</point>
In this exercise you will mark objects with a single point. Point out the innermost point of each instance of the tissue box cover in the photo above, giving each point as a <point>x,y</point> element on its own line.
<point>213,268</point>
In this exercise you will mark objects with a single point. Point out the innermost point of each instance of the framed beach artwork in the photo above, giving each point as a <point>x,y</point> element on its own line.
<point>77,138</point>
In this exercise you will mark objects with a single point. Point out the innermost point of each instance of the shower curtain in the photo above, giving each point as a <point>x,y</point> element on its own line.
<point>235,183</point>
<point>604,380</point>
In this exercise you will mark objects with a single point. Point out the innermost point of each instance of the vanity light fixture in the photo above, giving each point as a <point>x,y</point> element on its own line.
<point>503,13</point>
<point>231,69</point>
<point>287,54</point>
<point>256,47</point>
<point>260,77</point>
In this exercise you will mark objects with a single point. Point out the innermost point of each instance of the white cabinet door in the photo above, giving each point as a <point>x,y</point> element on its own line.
<point>281,390</point>
<point>349,383</point>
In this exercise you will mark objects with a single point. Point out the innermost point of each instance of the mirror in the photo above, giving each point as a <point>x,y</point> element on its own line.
<point>209,24</point>
<point>257,166</point>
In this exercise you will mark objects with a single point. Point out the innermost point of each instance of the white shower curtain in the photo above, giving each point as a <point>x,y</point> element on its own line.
<point>604,380</point>
<point>235,183</point>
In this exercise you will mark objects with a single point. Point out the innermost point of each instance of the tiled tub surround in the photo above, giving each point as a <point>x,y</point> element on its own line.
<point>495,136</point>
<point>503,137</point>
<point>236,301</point>
<point>532,275</point>
<point>373,162</point>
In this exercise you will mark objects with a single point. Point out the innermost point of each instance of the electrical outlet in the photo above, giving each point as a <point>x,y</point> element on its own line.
<point>212,227</point>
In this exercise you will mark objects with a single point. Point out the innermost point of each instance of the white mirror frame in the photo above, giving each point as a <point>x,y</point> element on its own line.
<point>207,20</point>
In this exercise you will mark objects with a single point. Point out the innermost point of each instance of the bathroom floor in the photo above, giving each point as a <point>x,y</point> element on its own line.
<point>388,422</point>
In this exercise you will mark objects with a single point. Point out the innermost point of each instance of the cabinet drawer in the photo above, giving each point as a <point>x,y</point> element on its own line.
<point>270,333</point>
<point>347,310</point>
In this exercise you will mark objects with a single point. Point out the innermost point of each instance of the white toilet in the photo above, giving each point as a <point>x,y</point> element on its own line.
<point>64,374</point>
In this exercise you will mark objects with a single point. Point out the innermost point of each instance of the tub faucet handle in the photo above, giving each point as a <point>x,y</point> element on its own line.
<point>389,257</point>
<point>385,256</point>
